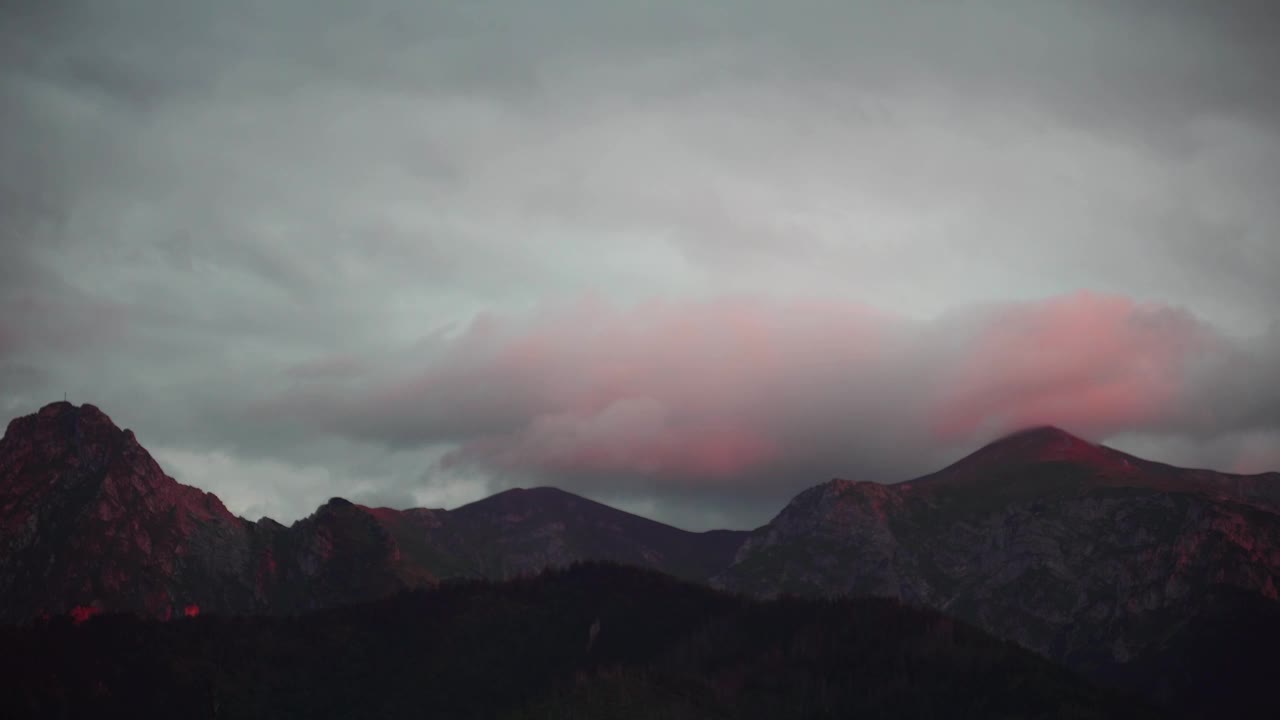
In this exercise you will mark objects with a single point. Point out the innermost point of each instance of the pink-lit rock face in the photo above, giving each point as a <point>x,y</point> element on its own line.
<point>89,523</point>
<point>82,613</point>
<point>88,520</point>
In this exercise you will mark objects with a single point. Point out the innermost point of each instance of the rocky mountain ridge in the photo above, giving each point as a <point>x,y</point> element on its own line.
<point>89,523</point>
<point>1108,563</point>
<point>1087,555</point>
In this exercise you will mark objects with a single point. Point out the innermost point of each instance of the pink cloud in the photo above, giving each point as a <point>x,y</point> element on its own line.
<point>660,388</point>
<point>750,388</point>
<point>627,436</point>
<point>1095,363</point>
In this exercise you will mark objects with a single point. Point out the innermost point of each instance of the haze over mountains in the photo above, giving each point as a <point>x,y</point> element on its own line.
<point>1097,559</point>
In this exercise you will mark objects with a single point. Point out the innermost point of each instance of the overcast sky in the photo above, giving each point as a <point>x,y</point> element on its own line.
<point>685,258</point>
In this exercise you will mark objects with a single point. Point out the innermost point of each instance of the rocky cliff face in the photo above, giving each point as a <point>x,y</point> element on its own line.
<point>1077,551</point>
<point>89,523</point>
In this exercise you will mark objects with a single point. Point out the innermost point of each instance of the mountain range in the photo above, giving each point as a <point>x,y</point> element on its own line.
<point>1107,563</point>
<point>90,523</point>
<point>1115,566</point>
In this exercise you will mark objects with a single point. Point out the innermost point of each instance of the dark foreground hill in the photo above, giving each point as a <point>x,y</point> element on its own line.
<point>526,649</point>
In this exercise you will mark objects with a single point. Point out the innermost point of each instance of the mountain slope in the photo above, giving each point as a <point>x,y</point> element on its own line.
<point>1077,551</point>
<point>523,531</point>
<point>86,514</point>
<point>90,523</point>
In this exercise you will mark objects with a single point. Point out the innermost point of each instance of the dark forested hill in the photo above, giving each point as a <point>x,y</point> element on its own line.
<point>593,641</point>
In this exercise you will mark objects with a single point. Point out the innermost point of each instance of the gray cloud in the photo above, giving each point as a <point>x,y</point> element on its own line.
<point>204,207</point>
<point>758,398</point>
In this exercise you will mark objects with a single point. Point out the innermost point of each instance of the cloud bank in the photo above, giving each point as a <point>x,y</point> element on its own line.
<point>310,248</point>
<point>760,397</point>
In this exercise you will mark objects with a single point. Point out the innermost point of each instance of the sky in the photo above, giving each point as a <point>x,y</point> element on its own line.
<point>684,258</point>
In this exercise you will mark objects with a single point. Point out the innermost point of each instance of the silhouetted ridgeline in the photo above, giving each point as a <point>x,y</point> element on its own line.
<point>521,649</point>
<point>1164,581</point>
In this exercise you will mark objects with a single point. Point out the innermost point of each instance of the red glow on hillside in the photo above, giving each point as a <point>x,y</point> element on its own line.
<point>266,571</point>
<point>191,611</point>
<point>81,613</point>
<point>383,514</point>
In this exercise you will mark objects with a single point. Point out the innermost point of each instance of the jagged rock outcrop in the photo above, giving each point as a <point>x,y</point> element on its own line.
<point>88,520</point>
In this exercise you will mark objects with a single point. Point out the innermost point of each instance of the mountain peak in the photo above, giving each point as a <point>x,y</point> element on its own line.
<point>60,418</point>
<point>1042,442</point>
<point>63,408</point>
<point>1028,447</point>
<point>544,491</point>
<point>1041,431</point>
<point>525,498</point>
<point>81,432</point>
<point>103,509</point>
